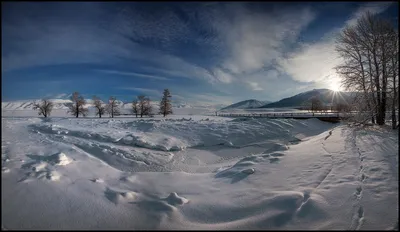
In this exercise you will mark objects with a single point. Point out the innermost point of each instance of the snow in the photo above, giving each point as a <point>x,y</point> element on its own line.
<point>197,172</point>
<point>24,108</point>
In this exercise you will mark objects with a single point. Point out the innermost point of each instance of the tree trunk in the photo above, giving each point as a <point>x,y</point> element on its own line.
<point>394,120</point>
<point>379,118</point>
<point>364,87</point>
<point>384,82</point>
<point>374,104</point>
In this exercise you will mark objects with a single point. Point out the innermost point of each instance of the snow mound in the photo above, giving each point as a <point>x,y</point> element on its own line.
<point>249,171</point>
<point>39,166</point>
<point>59,159</point>
<point>276,147</point>
<point>175,199</point>
<point>53,176</point>
<point>154,142</point>
<point>116,196</point>
<point>97,180</point>
<point>240,170</point>
<point>5,170</point>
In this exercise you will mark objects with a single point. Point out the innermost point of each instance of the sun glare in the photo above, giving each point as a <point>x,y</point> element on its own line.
<point>335,85</point>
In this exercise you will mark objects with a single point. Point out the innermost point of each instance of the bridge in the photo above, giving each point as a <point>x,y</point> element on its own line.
<point>323,116</point>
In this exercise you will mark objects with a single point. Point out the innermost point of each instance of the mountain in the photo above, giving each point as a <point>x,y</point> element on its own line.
<point>28,104</point>
<point>327,96</point>
<point>247,104</point>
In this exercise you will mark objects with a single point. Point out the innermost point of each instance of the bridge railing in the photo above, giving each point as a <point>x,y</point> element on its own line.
<point>285,114</point>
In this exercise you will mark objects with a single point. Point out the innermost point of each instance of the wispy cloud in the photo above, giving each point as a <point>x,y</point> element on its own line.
<point>373,7</point>
<point>254,86</point>
<point>315,62</point>
<point>256,40</point>
<point>133,74</point>
<point>238,50</point>
<point>152,92</point>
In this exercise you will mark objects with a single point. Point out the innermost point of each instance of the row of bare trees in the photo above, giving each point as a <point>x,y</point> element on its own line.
<point>140,106</point>
<point>370,51</point>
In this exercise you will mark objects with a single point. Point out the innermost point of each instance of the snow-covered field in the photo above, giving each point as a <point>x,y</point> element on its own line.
<point>197,172</point>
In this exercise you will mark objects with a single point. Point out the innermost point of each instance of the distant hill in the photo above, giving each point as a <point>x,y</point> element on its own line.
<point>327,96</point>
<point>247,104</point>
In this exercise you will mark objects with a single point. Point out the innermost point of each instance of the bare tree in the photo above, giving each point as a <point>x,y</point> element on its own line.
<point>100,109</point>
<point>316,104</point>
<point>141,101</point>
<point>342,107</point>
<point>149,108</point>
<point>77,106</point>
<point>135,107</point>
<point>370,53</point>
<point>165,104</point>
<point>44,107</point>
<point>112,107</point>
<point>144,105</point>
<point>393,72</point>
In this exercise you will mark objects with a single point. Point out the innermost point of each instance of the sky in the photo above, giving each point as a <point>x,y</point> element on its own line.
<point>204,52</point>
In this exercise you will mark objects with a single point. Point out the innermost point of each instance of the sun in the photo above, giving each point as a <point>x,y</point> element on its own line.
<point>335,85</point>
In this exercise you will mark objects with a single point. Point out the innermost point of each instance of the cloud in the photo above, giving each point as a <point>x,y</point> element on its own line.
<point>311,63</point>
<point>217,47</point>
<point>373,7</point>
<point>152,92</point>
<point>255,41</point>
<point>133,74</point>
<point>315,62</point>
<point>254,86</point>
<point>222,76</point>
<point>209,99</point>
<point>237,40</point>
<point>39,39</point>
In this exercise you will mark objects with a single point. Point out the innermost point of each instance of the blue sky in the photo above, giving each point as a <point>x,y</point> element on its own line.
<point>210,52</point>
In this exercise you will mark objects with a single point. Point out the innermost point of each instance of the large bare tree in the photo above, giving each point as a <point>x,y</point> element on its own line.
<point>165,103</point>
<point>44,107</point>
<point>99,106</point>
<point>370,65</point>
<point>112,107</point>
<point>77,106</point>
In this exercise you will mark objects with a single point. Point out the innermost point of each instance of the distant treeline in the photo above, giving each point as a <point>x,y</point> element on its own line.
<point>140,106</point>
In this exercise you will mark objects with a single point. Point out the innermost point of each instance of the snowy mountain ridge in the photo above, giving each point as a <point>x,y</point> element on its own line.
<point>246,104</point>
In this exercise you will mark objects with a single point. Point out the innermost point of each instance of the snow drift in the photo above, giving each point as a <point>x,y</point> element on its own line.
<point>197,172</point>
